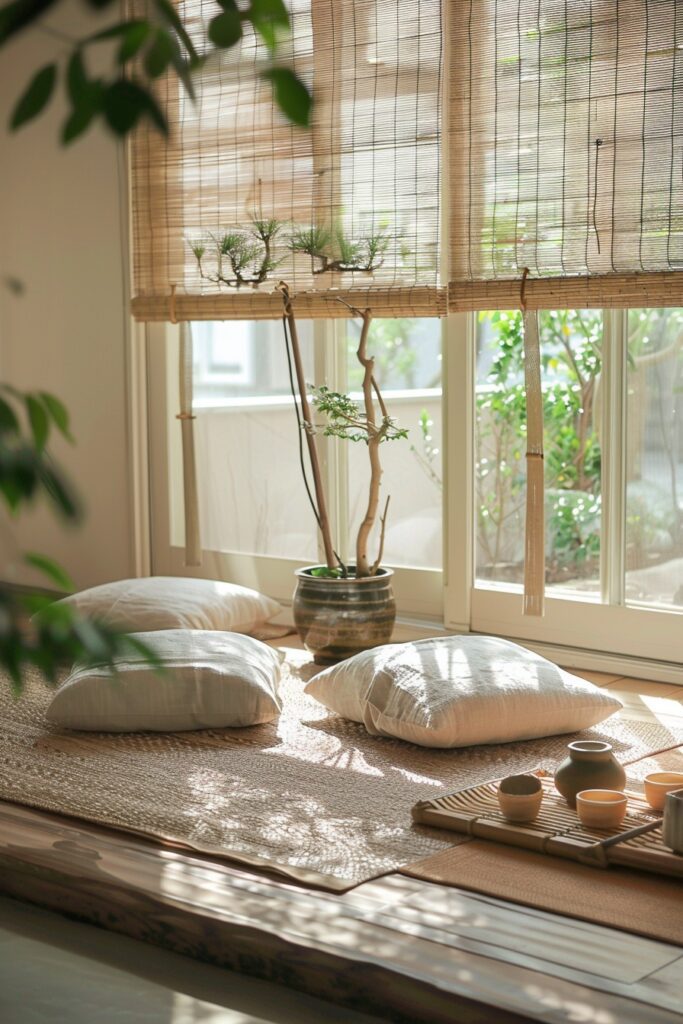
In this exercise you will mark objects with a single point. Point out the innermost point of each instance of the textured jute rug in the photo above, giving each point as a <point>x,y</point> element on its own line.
<point>310,795</point>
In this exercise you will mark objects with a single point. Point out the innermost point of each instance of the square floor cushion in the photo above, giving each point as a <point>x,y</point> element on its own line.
<point>175,602</point>
<point>207,680</point>
<point>460,691</point>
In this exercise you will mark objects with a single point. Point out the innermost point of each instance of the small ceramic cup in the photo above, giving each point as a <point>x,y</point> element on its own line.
<point>520,796</point>
<point>658,784</point>
<point>673,821</point>
<point>601,808</point>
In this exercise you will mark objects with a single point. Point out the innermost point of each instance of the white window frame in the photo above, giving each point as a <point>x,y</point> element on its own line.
<point>579,630</point>
<point>605,626</point>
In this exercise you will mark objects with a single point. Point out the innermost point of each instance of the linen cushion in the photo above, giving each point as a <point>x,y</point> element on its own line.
<point>208,680</point>
<point>175,602</point>
<point>460,691</point>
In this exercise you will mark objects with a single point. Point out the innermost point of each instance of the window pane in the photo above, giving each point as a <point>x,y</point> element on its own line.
<point>654,458</point>
<point>408,369</point>
<point>252,499</point>
<point>240,359</point>
<point>571,343</point>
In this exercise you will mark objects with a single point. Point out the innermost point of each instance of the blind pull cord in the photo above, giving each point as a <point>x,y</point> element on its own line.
<point>193,547</point>
<point>598,144</point>
<point>534,537</point>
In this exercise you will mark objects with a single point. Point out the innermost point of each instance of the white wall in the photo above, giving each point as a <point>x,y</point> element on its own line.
<point>62,233</point>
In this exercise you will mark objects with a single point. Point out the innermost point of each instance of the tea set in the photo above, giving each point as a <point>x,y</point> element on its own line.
<point>592,782</point>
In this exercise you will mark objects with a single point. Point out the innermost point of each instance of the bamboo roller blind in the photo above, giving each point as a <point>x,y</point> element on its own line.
<point>566,152</point>
<point>369,167</point>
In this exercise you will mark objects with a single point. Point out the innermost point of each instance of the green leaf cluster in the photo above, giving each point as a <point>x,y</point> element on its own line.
<point>334,250</point>
<point>239,256</point>
<point>345,419</point>
<point>144,49</point>
<point>26,469</point>
<point>251,256</point>
<point>56,635</point>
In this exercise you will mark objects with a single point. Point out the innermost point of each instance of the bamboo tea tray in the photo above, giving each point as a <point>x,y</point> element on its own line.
<point>557,829</point>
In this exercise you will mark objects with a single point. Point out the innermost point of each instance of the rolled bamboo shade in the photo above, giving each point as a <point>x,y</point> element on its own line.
<point>566,151</point>
<point>369,166</point>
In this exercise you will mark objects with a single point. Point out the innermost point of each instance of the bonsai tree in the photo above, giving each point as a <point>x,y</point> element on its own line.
<point>248,254</point>
<point>369,424</point>
<point>239,256</point>
<point>336,251</point>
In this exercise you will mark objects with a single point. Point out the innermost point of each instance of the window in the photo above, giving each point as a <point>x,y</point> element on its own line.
<point>654,458</point>
<point>563,142</point>
<point>571,356</point>
<point>252,500</point>
<point>408,370</point>
<point>614,468</point>
<point>611,384</point>
<point>238,359</point>
<point>253,504</point>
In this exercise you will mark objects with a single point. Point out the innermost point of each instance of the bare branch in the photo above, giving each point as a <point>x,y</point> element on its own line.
<point>383,523</point>
<point>380,400</point>
<point>368,363</point>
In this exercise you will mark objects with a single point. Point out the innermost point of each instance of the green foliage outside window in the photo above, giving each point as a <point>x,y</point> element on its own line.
<point>571,357</point>
<point>571,347</point>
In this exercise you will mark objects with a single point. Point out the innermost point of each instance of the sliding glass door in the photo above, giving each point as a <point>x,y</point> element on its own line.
<point>613,404</point>
<point>613,408</point>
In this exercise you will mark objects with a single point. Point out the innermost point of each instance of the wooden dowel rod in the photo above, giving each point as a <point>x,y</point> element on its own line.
<point>323,520</point>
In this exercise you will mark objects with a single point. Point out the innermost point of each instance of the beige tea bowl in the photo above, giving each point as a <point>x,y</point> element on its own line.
<point>658,784</point>
<point>520,796</point>
<point>601,808</point>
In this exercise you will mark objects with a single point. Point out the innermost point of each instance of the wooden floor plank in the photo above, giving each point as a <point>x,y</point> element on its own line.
<point>668,979</point>
<point>599,678</point>
<point>521,931</point>
<point>649,706</point>
<point>644,688</point>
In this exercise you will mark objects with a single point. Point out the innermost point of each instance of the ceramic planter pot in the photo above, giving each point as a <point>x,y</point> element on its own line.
<point>337,618</point>
<point>590,765</point>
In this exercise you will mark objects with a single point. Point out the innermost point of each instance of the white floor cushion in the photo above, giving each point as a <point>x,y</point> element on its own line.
<point>209,680</point>
<point>460,691</point>
<point>175,602</point>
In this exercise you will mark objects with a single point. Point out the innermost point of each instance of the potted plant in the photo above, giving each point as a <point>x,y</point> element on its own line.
<point>341,609</point>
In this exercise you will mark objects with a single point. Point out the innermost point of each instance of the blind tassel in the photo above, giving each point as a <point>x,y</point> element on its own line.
<point>193,547</point>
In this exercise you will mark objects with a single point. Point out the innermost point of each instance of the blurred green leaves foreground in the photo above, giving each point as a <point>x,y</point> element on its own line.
<point>144,49</point>
<point>35,631</point>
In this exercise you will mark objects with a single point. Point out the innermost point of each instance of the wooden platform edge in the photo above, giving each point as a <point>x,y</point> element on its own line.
<point>256,926</point>
<point>366,986</point>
